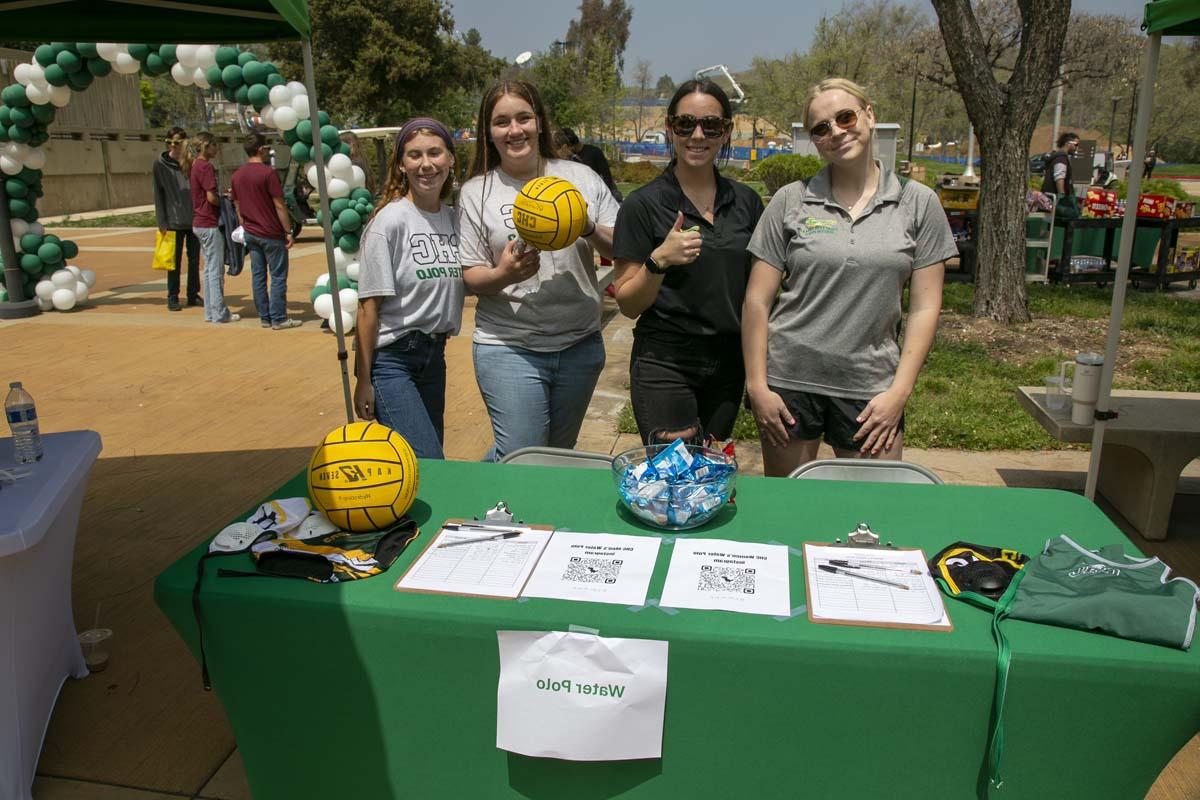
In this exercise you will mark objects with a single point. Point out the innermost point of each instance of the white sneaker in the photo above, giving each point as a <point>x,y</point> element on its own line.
<point>233,318</point>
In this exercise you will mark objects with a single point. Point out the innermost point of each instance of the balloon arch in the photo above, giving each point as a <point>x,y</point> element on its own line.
<point>46,83</point>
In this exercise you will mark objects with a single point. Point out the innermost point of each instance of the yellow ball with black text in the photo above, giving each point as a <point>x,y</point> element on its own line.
<point>363,477</point>
<point>550,213</point>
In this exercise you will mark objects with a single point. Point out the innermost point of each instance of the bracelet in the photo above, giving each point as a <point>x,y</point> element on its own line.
<point>588,234</point>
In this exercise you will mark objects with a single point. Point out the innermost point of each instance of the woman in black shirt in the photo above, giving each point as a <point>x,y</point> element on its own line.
<point>681,270</point>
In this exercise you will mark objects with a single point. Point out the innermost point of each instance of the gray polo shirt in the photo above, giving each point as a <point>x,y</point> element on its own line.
<point>834,328</point>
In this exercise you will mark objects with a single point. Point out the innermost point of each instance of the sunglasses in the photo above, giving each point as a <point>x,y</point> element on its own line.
<point>176,141</point>
<point>712,127</point>
<point>845,119</point>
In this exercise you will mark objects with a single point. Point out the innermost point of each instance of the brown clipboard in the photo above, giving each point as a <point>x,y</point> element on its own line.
<point>947,628</point>
<point>433,541</point>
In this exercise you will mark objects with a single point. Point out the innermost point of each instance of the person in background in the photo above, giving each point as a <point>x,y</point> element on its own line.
<point>1149,164</point>
<point>681,271</point>
<point>205,202</point>
<point>410,291</point>
<point>173,212</point>
<point>359,159</point>
<point>1057,176</point>
<point>821,320</point>
<point>589,155</point>
<point>258,196</point>
<point>538,350</point>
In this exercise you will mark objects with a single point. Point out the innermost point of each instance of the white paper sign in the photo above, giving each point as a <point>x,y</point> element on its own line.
<point>729,576</point>
<point>580,697</point>
<point>600,567</point>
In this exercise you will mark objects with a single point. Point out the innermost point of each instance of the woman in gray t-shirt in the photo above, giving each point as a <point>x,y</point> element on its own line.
<point>410,291</point>
<point>822,313</point>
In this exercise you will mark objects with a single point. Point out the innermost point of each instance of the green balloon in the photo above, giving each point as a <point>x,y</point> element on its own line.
<point>344,149</point>
<point>23,117</point>
<point>350,220</point>
<point>229,94</point>
<point>139,51</point>
<point>275,79</point>
<point>304,130</point>
<point>43,114</point>
<point>241,95</point>
<point>44,55</point>
<point>156,65</point>
<point>50,253</point>
<point>19,207</point>
<point>5,116</point>
<point>37,140</point>
<point>348,243</point>
<point>336,230</point>
<point>30,242</point>
<point>14,96</point>
<point>329,135</point>
<point>317,291</point>
<point>232,76</point>
<point>338,206</point>
<point>87,49</point>
<point>99,67</point>
<point>80,80</point>
<point>301,153</point>
<point>343,281</point>
<point>226,55</point>
<point>19,135</point>
<point>289,137</point>
<point>56,75</point>
<point>245,57</point>
<point>259,95</point>
<point>326,152</point>
<point>50,237</point>
<point>70,249</point>
<point>323,118</point>
<point>31,263</point>
<point>30,176</point>
<point>69,61</point>
<point>3,133</point>
<point>255,73</point>
<point>15,188</point>
<point>213,75</point>
<point>320,218</point>
<point>32,214</point>
<point>361,194</point>
<point>270,67</point>
<point>167,53</point>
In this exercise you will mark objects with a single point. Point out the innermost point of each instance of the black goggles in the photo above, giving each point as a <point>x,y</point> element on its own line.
<point>845,119</point>
<point>712,127</point>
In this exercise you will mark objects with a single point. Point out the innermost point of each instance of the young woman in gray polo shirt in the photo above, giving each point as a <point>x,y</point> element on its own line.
<point>410,291</point>
<point>822,357</point>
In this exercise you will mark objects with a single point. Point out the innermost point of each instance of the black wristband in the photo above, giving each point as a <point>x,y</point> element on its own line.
<point>588,234</point>
<point>653,267</point>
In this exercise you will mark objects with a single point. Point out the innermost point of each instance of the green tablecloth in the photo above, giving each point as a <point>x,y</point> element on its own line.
<point>1090,241</point>
<point>360,691</point>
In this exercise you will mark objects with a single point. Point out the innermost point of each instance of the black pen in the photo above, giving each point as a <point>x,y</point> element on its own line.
<point>498,536</point>
<point>859,575</point>
<point>850,565</point>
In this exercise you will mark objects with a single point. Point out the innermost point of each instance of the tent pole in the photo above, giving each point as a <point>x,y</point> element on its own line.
<point>326,223</point>
<point>1128,230</point>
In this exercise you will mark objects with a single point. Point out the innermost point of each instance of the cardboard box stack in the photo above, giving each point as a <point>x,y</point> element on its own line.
<point>1156,206</point>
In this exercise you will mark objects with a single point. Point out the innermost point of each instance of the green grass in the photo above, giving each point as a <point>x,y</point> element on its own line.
<point>965,397</point>
<point>143,219</point>
<point>1178,170</point>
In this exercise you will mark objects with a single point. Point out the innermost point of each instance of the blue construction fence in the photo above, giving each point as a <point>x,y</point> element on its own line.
<point>663,151</point>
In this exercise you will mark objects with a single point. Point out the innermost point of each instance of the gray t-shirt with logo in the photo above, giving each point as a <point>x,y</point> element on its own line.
<point>834,328</point>
<point>410,258</point>
<point>558,306</point>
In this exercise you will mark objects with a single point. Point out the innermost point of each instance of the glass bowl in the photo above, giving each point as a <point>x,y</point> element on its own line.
<point>673,507</point>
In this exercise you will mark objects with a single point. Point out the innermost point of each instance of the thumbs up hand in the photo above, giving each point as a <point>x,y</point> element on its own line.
<point>680,247</point>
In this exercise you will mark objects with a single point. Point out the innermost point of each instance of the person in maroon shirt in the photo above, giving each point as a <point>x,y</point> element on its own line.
<point>258,196</point>
<point>205,202</point>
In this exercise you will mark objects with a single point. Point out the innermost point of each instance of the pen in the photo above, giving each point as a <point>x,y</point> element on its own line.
<point>505,535</point>
<point>860,576</point>
<point>839,563</point>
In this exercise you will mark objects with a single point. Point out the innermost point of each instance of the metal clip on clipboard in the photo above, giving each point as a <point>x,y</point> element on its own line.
<point>861,537</point>
<point>498,515</point>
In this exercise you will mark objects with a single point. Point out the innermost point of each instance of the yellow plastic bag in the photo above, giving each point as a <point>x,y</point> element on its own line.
<point>164,250</point>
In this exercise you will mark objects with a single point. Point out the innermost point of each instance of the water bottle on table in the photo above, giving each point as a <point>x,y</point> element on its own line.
<point>22,420</point>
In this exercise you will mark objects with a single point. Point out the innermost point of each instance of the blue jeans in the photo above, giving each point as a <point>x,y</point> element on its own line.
<point>269,255</point>
<point>409,378</point>
<point>212,243</point>
<point>537,399</point>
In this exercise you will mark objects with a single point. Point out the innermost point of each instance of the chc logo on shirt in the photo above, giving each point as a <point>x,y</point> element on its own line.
<point>1088,570</point>
<point>812,225</point>
<point>437,253</point>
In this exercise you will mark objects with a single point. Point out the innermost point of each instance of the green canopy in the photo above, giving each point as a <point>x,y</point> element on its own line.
<point>1173,17</point>
<point>174,21</point>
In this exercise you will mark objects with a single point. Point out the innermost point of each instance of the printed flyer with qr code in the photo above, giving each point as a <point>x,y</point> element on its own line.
<point>596,567</point>
<point>728,576</point>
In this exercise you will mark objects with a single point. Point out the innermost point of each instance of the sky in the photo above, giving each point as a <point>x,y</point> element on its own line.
<point>678,43</point>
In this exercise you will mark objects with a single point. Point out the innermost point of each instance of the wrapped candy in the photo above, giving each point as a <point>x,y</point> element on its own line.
<point>678,487</point>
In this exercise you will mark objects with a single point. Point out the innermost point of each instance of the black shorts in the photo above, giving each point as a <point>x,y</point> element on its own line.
<point>679,383</point>
<point>817,415</point>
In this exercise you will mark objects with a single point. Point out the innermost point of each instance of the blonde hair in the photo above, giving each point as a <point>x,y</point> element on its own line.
<point>835,84</point>
<point>195,146</point>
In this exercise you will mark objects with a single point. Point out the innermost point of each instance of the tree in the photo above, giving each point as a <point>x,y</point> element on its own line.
<point>665,87</point>
<point>387,60</point>
<point>641,93</point>
<point>601,26</point>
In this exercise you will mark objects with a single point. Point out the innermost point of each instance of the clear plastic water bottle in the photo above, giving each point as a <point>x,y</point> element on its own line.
<point>22,419</point>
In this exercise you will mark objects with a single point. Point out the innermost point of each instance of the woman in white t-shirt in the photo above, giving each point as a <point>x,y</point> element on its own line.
<point>537,345</point>
<point>410,291</point>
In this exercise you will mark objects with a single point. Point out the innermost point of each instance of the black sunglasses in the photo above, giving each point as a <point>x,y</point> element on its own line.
<point>845,119</point>
<point>712,127</point>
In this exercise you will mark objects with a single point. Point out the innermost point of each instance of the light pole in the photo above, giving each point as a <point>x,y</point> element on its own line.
<point>1112,121</point>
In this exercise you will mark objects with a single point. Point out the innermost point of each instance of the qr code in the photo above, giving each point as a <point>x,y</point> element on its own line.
<point>727,579</point>
<point>593,570</point>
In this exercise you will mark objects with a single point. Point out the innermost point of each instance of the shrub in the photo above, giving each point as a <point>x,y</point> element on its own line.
<point>635,172</point>
<point>1157,186</point>
<point>780,170</point>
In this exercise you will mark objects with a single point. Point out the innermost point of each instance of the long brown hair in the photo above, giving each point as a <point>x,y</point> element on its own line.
<point>487,157</point>
<point>395,182</point>
<point>195,147</point>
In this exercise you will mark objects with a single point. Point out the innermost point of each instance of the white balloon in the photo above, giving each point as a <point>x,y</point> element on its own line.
<point>352,270</point>
<point>340,166</point>
<point>206,56</point>
<point>286,118</point>
<point>186,53</point>
<point>311,175</point>
<point>268,116</point>
<point>358,178</point>
<point>342,259</point>
<point>21,73</point>
<point>37,228</point>
<point>63,299</point>
<point>200,78</point>
<point>126,64</point>
<point>182,74</point>
<point>88,276</point>
<point>60,96</point>
<point>44,289</point>
<point>322,279</point>
<point>19,228</point>
<point>280,96</point>
<point>338,188</point>
<point>44,305</point>
<point>297,88</point>
<point>349,299</point>
<point>9,165</point>
<point>300,106</point>
<point>107,50</point>
<point>323,305</point>
<point>35,158</point>
<point>37,95</point>
<point>64,279</point>
<point>74,270</point>
<point>81,292</point>
<point>347,322</point>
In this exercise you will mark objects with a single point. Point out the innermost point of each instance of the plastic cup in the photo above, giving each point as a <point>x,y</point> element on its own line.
<point>95,644</point>
<point>1056,399</point>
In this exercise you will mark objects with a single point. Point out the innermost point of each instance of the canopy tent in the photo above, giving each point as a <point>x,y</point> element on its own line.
<point>1162,18</point>
<point>182,22</point>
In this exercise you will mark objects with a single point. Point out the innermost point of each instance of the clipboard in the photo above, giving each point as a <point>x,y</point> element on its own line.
<point>475,523</point>
<point>866,549</point>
